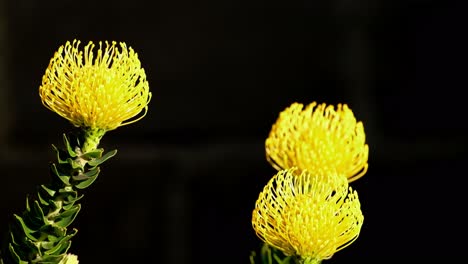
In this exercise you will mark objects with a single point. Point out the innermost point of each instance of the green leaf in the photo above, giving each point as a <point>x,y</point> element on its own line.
<point>69,195</point>
<point>59,248</point>
<point>108,155</point>
<point>266,254</point>
<point>94,154</point>
<point>67,217</point>
<point>68,192</point>
<point>63,177</point>
<point>59,152</point>
<point>63,245</point>
<point>53,232</point>
<point>27,204</point>
<point>13,240</point>
<point>15,255</point>
<point>89,174</point>
<point>271,255</point>
<point>69,204</point>
<point>70,150</point>
<point>27,231</point>
<point>49,191</point>
<point>47,244</point>
<point>39,213</point>
<point>92,175</point>
<point>252,257</point>
<point>42,200</point>
<point>49,259</point>
<point>53,238</point>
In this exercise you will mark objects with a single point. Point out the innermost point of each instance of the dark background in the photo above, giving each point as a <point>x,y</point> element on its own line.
<point>184,183</point>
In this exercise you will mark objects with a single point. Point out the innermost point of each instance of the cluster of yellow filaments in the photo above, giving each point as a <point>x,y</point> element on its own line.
<point>307,209</point>
<point>310,215</point>
<point>96,90</point>
<point>318,136</point>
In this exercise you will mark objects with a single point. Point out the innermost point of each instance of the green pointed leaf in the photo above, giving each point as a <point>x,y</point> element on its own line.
<point>72,198</point>
<point>252,257</point>
<point>27,231</point>
<point>64,178</point>
<point>39,213</point>
<point>69,197</point>
<point>85,184</point>
<point>69,204</point>
<point>42,200</point>
<point>13,240</point>
<point>49,259</point>
<point>31,247</point>
<point>58,153</point>
<point>27,204</point>
<point>15,255</point>
<point>266,254</point>
<point>47,244</point>
<point>61,247</point>
<point>51,231</point>
<point>49,191</point>
<point>67,217</point>
<point>271,255</point>
<point>68,193</point>
<point>108,155</point>
<point>67,190</point>
<point>92,175</point>
<point>53,238</point>
<point>70,150</point>
<point>89,174</point>
<point>94,154</point>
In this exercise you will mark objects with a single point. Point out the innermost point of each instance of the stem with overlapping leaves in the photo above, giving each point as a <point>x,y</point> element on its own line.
<point>42,232</point>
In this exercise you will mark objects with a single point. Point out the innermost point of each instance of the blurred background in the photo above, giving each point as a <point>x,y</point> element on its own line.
<point>183,185</point>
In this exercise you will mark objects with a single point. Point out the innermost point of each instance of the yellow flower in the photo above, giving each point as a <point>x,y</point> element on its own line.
<point>308,215</point>
<point>318,137</point>
<point>96,90</point>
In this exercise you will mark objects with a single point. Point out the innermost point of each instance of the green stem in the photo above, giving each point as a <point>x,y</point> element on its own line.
<point>41,234</point>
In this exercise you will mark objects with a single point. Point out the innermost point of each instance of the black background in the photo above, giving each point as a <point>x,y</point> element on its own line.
<point>186,177</point>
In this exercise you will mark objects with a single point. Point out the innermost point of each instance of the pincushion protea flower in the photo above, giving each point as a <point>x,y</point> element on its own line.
<point>318,136</point>
<point>69,259</point>
<point>96,90</point>
<point>311,216</point>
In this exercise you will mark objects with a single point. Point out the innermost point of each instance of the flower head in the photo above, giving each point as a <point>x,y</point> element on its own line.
<point>318,136</point>
<point>308,215</point>
<point>97,90</point>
